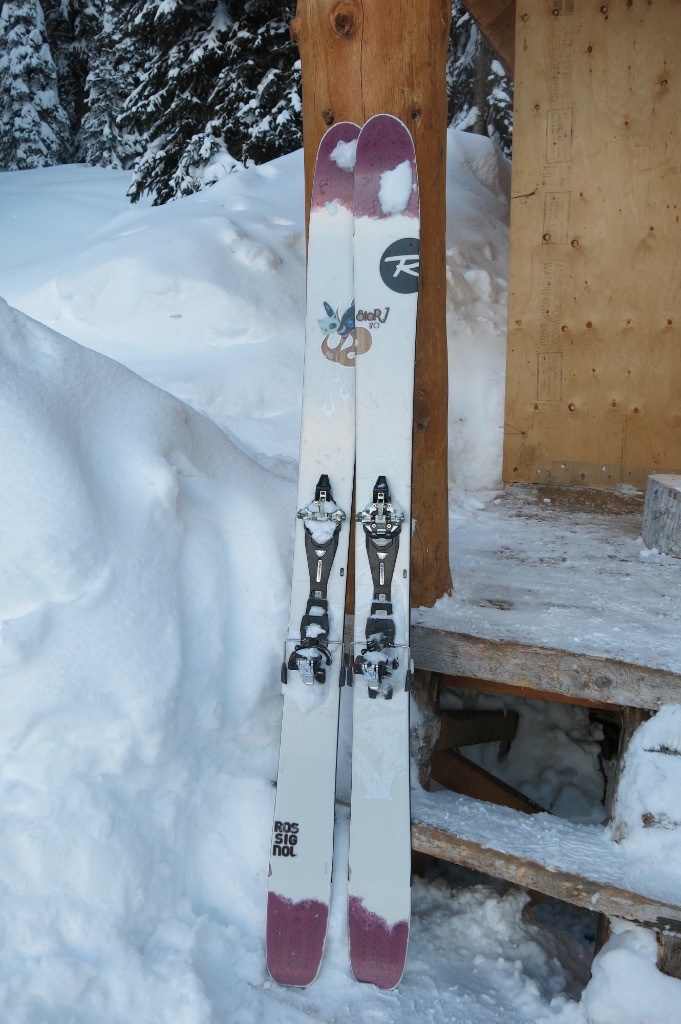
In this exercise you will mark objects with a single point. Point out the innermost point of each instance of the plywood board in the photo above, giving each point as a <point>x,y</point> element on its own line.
<point>593,390</point>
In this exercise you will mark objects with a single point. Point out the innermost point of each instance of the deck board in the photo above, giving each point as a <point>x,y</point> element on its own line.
<point>579,864</point>
<point>554,590</point>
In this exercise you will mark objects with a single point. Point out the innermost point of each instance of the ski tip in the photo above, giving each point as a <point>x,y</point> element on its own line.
<point>378,951</point>
<point>334,170</point>
<point>386,180</point>
<point>296,933</point>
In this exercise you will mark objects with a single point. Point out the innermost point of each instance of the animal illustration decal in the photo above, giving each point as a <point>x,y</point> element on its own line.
<point>351,341</point>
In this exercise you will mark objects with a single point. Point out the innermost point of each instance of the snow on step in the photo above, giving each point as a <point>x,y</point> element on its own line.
<point>588,851</point>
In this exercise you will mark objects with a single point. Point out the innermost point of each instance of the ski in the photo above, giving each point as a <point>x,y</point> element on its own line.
<point>302,835</point>
<point>386,272</point>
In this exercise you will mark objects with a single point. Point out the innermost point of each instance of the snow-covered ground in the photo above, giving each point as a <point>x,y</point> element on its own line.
<point>148,471</point>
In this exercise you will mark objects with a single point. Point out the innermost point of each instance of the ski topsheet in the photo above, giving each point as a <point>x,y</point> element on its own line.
<point>302,840</point>
<point>386,277</point>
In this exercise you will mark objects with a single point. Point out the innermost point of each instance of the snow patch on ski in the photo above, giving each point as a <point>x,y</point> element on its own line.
<point>395,188</point>
<point>345,154</point>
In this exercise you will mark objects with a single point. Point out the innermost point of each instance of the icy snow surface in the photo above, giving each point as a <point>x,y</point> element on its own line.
<point>536,565</point>
<point>147,521</point>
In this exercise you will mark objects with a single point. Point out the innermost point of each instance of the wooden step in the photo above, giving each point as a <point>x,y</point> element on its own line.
<point>570,676</point>
<point>579,864</point>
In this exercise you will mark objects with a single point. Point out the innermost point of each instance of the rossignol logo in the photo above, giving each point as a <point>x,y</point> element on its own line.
<point>286,835</point>
<point>400,266</point>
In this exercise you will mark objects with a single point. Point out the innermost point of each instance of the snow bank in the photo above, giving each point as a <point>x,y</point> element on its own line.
<point>478,180</point>
<point>205,296</point>
<point>626,987</point>
<point>144,593</point>
<point>131,688</point>
<point>647,812</point>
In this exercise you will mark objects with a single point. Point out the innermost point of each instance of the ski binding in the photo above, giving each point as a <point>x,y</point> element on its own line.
<point>310,656</point>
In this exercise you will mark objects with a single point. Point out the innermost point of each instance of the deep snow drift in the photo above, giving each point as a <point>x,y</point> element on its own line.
<point>143,599</point>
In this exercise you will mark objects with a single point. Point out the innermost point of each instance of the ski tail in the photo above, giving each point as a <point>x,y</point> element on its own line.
<point>296,934</point>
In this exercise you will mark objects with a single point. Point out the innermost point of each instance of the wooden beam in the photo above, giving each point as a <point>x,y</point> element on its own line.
<point>580,678</point>
<point>527,692</point>
<point>465,728</point>
<point>662,515</point>
<point>562,885</point>
<point>361,58</point>
<point>496,21</point>
<point>546,673</point>
<point>669,954</point>
<point>460,775</point>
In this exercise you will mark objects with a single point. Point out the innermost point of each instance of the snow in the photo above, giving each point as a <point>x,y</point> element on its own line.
<point>626,986</point>
<point>148,509</point>
<point>585,850</point>
<point>570,576</point>
<point>396,188</point>
<point>647,813</point>
<point>345,154</point>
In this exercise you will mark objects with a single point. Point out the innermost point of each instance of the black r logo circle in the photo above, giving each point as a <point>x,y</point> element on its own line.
<point>400,266</point>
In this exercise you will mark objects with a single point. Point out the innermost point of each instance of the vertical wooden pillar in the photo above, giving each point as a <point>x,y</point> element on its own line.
<point>365,57</point>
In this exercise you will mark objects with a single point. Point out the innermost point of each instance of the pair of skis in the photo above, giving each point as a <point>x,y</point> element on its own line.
<point>362,284</point>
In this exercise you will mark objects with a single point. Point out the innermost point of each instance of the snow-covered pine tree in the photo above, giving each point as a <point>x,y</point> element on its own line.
<point>34,129</point>
<point>221,87</point>
<point>480,92</point>
<point>101,140</point>
<point>500,107</point>
<point>169,108</point>
<point>69,52</point>
<point>257,96</point>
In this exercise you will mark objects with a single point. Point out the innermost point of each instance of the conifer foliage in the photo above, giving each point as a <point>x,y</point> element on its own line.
<point>220,89</point>
<point>184,44</point>
<point>184,91</point>
<point>34,129</point>
<point>480,92</point>
<point>101,138</point>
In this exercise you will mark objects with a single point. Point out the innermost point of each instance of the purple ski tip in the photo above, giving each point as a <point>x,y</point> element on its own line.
<point>295,939</point>
<point>378,951</point>
<point>334,171</point>
<point>386,182</point>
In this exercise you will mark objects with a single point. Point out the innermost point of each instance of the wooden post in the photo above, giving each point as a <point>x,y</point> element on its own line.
<point>360,58</point>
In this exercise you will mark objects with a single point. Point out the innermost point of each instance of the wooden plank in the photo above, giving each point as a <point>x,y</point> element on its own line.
<point>460,775</point>
<point>562,885</point>
<point>361,58</point>
<point>594,351</point>
<point>496,21</point>
<point>465,728</point>
<point>527,692</point>
<point>579,677</point>
<point>543,672</point>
